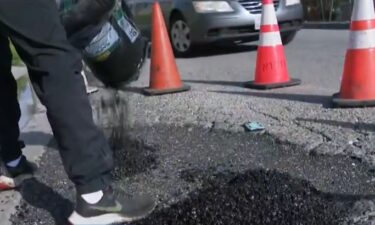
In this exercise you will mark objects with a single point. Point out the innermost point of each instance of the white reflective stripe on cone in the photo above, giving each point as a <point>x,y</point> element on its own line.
<point>362,39</point>
<point>268,15</point>
<point>270,39</point>
<point>363,10</point>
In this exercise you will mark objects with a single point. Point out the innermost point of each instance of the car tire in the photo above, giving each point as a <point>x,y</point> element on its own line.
<point>179,32</point>
<point>288,37</point>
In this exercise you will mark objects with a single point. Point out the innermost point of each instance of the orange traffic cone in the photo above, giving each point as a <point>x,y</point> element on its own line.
<point>164,77</point>
<point>271,67</point>
<point>358,81</point>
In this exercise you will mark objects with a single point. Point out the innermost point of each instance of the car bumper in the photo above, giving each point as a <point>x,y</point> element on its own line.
<point>239,25</point>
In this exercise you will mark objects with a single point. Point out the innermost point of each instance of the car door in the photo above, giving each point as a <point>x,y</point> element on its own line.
<point>166,7</point>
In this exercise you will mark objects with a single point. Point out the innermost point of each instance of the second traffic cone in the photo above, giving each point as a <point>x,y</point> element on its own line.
<point>164,75</point>
<point>271,67</point>
<point>358,80</point>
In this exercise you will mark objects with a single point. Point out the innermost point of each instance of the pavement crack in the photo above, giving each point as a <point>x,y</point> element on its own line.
<point>265,114</point>
<point>313,150</point>
<point>326,138</point>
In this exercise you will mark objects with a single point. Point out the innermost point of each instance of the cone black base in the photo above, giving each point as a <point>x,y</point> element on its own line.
<point>150,91</point>
<point>253,85</point>
<point>350,103</point>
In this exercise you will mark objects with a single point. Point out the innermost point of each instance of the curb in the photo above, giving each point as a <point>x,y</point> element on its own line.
<point>327,25</point>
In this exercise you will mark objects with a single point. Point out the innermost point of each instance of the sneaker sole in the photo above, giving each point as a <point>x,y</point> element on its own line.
<point>114,218</point>
<point>7,183</point>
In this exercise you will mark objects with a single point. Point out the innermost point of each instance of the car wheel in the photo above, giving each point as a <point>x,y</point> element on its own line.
<point>288,37</point>
<point>180,36</point>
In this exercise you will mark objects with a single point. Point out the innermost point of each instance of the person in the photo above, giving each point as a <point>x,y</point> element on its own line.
<point>54,68</point>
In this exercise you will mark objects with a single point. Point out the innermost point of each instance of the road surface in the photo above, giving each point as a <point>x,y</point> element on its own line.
<point>312,165</point>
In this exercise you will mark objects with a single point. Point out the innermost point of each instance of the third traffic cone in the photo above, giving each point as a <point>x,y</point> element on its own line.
<point>271,67</point>
<point>358,80</point>
<point>164,77</point>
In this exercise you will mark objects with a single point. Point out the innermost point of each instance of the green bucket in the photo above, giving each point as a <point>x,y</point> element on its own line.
<point>113,49</point>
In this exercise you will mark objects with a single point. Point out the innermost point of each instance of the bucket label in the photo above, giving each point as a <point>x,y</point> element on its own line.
<point>130,31</point>
<point>125,25</point>
<point>103,43</point>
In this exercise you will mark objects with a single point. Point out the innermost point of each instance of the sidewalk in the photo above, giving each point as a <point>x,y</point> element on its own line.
<point>36,144</point>
<point>19,71</point>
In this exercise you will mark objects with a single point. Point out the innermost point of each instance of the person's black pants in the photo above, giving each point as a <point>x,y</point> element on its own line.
<point>54,68</point>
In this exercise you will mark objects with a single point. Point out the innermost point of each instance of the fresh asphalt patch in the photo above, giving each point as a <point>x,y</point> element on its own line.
<point>209,176</point>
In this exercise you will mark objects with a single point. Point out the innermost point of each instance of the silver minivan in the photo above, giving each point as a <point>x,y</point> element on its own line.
<point>194,22</point>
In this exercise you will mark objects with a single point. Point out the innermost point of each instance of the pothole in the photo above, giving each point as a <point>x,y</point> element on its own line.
<point>132,157</point>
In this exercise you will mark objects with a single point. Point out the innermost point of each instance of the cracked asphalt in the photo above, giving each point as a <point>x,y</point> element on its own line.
<point>312,165</point>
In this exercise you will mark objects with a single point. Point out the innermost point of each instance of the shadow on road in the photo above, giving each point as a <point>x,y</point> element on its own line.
<point>325,101</point>
<point>217,82</point>
<point>254,197</point>
<point>132,158</point>
<point>43,197</point>
<point>350,125</point>
<point>135,90</point>
<point>214,50</point>
<point>36,138</point>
